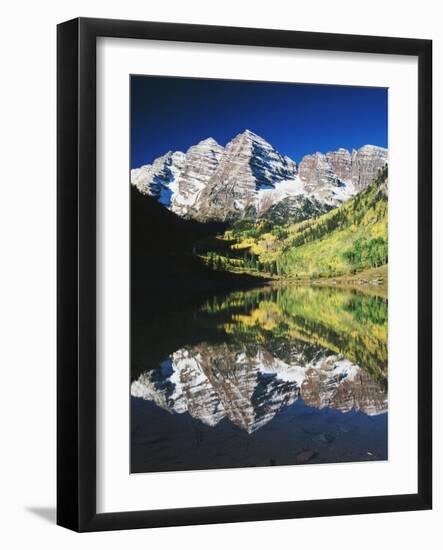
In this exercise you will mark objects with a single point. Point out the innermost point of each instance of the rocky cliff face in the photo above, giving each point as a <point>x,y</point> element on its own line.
<point>366,163</point>
<point>201,163</point>
<point>249,176</point>
<point>321,181</point>
<point>249,164</point>
<point>340,162</point>
<point>250,386</point>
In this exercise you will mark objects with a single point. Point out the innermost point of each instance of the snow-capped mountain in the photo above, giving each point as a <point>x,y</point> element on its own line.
<point>159,178</point>
<point>250,386</point>
<point>202,161</point>
<point>249,177</point>
<point>248,168</point>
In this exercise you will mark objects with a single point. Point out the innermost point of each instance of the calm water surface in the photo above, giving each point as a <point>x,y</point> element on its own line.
<point>264,377</point>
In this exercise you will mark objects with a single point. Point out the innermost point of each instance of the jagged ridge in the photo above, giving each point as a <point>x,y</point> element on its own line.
<point>249,176</point>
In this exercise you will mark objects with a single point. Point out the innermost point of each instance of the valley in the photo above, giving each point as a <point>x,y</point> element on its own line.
<point>256,213</point>
<point>343,242</point>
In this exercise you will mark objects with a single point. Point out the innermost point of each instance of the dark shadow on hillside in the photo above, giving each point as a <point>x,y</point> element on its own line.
<point>166,276</point>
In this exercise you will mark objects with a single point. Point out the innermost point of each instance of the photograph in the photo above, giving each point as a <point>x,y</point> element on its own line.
<point>220,292</point>
<point>258,274</point>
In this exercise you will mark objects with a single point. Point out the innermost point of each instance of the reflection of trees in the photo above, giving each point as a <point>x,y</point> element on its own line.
<point>374,310</point>
<point>344,321</point>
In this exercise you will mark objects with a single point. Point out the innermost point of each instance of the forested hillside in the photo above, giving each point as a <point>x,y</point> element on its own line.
<point>346,240</point>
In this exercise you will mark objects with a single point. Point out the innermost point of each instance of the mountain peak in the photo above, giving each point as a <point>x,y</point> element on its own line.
<point>210,142</point>
<point>250,135</point>
<point>369,147</point>
<point>177,155</point>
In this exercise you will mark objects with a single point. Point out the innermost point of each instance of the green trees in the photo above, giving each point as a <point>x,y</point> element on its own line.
<point>347,239</point>
<point>370,253</point>
<point>279,232</point>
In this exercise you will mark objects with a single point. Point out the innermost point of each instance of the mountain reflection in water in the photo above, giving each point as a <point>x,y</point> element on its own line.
<point>273,348</point>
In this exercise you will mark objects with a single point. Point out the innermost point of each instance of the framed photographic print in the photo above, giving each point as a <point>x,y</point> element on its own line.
<point>244,274</point>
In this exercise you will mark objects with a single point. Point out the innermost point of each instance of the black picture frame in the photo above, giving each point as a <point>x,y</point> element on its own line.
<point>76,265</point>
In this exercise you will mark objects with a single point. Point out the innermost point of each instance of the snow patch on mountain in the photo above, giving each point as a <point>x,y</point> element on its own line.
<point>159,178</point>
<point>267,197</point>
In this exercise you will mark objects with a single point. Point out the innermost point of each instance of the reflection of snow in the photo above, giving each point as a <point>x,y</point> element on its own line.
<point>214,382</point>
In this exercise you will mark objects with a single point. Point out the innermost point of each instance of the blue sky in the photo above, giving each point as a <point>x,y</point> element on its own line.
<point>297,119</point>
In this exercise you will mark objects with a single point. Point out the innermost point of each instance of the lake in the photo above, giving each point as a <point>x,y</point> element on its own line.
<point>275,375</point>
